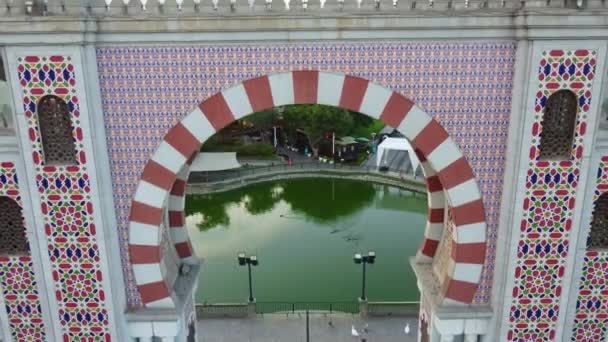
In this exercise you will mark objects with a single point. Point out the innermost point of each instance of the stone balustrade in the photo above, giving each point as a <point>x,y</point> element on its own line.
<point>153,8</point>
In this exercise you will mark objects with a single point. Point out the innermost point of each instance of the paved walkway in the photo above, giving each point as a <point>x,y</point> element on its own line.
<point>292,328</point>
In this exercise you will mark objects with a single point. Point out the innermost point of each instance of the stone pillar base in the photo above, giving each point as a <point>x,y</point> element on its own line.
<point>363,308</point>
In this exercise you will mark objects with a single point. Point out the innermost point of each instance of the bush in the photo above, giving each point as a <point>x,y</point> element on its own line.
<point>257,149</point>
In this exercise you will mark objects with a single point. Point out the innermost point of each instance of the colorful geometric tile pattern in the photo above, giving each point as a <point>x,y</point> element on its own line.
<point>17,281</point>
<point>66,205</point>
<point>549,204</point>
<point>591,319</point>
<point>465,86</point>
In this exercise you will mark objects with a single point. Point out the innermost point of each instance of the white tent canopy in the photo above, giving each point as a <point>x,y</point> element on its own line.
<point>398,144</point>
<point>215,161</point>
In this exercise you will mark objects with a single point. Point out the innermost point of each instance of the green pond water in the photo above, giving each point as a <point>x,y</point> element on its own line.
<point>305,233</point>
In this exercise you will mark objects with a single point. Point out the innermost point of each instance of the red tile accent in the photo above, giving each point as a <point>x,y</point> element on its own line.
<point>156,174</point>
<point>144,213</point>
<point>217,111</point>
<point>259,93</point>
<point>353,92</point>
<point>183,249</point>
<point>468,213</point>
<point>183,141</point>
<point>176,218</point>
<point>395,110</point>
<point>305,85</point>
<point>179,187</point>
<point>461,291</point>
<point>430,137</point>
<point>153,291</point>
<point>470,253</point>
<point>140,254</point>
<point>456,173</point>
<point>429,247</point>
<point>433,184</point>
<point>436,215</point>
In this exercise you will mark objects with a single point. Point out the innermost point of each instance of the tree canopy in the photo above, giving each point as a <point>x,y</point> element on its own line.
<point>263,120</point>
<point>317,120</point>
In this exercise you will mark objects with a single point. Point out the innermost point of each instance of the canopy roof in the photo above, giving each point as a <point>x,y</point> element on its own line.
<point>215,161</point>
<point>346,141</point>
<point>399,144</point>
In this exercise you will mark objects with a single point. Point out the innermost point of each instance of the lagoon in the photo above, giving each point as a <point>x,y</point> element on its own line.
<point>305,233</point>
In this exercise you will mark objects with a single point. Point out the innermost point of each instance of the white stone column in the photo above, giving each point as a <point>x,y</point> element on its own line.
<point>501,288</point>
<point>106,214</point>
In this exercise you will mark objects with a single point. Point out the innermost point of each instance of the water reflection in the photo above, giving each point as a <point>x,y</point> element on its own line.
<point>305,233</point>
<point>335,200</point>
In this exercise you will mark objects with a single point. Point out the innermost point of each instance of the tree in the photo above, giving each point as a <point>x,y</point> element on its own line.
<point>263,120</point>
<point>315,121</point>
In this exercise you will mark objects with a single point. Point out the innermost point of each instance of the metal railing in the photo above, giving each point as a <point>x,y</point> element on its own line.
<point>220,176</point>
<point>223,310</point>
<point>299,307</point>
<point>393,308</point>
<point>170,8</point>
<point>202,182</point>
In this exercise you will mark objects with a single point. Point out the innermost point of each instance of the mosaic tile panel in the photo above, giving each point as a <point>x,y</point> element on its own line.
<point>444,253</point>
<point>548,206</point>
<point>66,205</point>
<point>591,319</point>
<point>17,281</point>
<point>465,86</point>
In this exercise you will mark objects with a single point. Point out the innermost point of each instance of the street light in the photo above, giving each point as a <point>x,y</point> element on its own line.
<point>370,258</point>
<point>249,261</point>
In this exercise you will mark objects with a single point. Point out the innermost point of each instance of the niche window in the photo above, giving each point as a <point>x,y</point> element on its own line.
<point>12,232</point>
<point>598,235</point>
<point>558,123</point>
<point>56,131</point>
<point>6,113</point>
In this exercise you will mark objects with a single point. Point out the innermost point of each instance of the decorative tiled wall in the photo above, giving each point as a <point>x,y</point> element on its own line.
<point>17,281</point>
<point>444,253</point>
<point>66,205</point>
<point>591,319</point>
<point>548,206</point>
<point>465,86</point>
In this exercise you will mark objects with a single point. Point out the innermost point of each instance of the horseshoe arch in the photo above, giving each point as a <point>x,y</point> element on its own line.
<point>159,199</point>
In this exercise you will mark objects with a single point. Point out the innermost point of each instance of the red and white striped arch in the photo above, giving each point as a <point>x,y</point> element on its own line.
<point>436,213</point>
<point>448,174</point>
<point>177,218</point>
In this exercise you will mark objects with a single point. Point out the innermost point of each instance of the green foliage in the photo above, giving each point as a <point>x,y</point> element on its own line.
<point>338,200</point>
<point>361,120</point>
<point>256,149</point>
<point>263,120</point>
<point>258,199</point>
<point>366,130</point>
<point>242,150</point>
<point>313,120</point>
<point>316,120</point>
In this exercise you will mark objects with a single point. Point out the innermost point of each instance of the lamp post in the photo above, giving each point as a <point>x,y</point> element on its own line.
<point>249,261</point>
<point>370,258</point>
